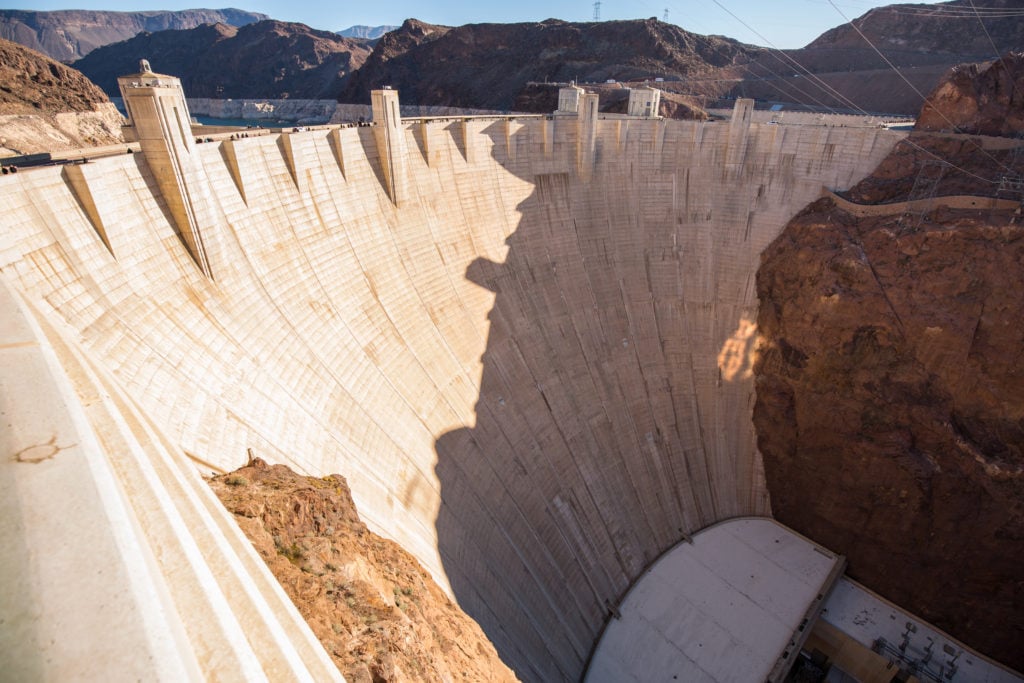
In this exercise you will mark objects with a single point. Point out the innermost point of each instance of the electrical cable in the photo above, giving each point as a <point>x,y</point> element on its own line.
<point>995,50</point>
<point>828,88</point>
<point>814,77</point>
<point>911,85</point>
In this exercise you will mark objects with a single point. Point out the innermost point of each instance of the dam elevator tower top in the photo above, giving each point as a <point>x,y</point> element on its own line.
<point>158,119</point>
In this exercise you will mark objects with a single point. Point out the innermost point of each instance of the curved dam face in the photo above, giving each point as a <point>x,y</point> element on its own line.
<point>527,344</point>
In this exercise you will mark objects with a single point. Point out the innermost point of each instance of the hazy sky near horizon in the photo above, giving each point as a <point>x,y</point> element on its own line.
<point>782,23</point>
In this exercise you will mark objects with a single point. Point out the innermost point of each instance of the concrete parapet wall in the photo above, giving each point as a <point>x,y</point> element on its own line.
<point>535,376</point>
<point>344,113</point>
<point>119,561</point>
<point>818,119</point>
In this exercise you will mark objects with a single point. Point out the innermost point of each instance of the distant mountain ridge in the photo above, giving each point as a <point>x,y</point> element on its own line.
<point>67,35</point>
<point>491,66</point>
<point>922,41</point>
<point>948,27</point>
<point>368,32</point>
<point>271,59</point>
<point>487,65</point>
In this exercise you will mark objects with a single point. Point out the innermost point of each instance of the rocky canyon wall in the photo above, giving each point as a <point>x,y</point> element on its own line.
<point>889,389</point>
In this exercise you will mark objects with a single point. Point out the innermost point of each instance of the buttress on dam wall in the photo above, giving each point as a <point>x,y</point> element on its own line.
<point>526,342</point>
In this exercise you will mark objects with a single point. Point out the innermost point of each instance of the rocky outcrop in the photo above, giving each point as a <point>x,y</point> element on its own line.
<point>31,82</point>
<point>67,35</point>
<point>890,394</point>
<point>46,106</point>
<point>271,59</point>
<point>487,65</point>
<point>378,613</point>
<point>378,69</point>
<point>982,99</point>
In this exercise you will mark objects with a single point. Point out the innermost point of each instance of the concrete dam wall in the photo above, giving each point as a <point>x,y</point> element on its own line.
<point>527,343</point>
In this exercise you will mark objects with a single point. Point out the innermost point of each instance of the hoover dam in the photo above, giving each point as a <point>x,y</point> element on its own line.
<point>526,341</point>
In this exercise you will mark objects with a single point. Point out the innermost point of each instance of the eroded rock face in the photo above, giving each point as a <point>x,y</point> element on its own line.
<point>32,82</point>
<point>378,613</point>
<point>890,406</point>
<point>46,106</point>
<point>981,99</point>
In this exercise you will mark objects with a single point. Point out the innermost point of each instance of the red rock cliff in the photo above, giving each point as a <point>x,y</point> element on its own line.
<point>378,613</point>
<point>890,396</point>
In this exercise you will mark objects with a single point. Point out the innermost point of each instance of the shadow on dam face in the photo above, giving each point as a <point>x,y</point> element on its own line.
<point>609,415</point>
<point>614,410</point>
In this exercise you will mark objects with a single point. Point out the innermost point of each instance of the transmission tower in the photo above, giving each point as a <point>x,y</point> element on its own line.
<point>597,10</point>
<point>1011,186</point>
<point>664,17</point>
<point>925,186</point>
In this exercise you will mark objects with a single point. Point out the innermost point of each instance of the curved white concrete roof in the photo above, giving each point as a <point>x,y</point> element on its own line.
<point>721,609</point>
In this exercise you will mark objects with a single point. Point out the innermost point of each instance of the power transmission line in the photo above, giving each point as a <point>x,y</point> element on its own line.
<point>995,51</point>
<point>911,85</point>
<point>827,88</point>
<point>774,51</point>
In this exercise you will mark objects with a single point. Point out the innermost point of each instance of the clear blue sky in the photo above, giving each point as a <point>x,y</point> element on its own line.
<point>785,23</point>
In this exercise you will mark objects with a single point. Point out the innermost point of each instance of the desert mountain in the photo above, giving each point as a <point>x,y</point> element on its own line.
<point>922,41</point>
<point>949,27</point>
<point>487,65</point>
<point>270,59</point>
<point>46,106</point>
<point>497,66</point>
<point>67,35</point>
<point>368,32</point>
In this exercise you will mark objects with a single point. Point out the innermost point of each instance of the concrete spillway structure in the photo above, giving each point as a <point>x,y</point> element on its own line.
<point>526,342</point>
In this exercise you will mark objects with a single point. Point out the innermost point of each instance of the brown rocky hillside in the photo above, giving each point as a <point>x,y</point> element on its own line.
<point>949,27</point>
<point>488,65</point>
<point>270,59</point>
<point>921,41</point>
<point>46,106</point>
<point>378,613</point>
<point>31,82</point>
<point>890,384</point>
<point>984,99</point>
<point>67,35</point>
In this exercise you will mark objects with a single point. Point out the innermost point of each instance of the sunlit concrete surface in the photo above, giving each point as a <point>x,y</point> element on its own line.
<point>119,563</point>
<point>527,343</point>
<point>906,640</point>
<point>723,608</point>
